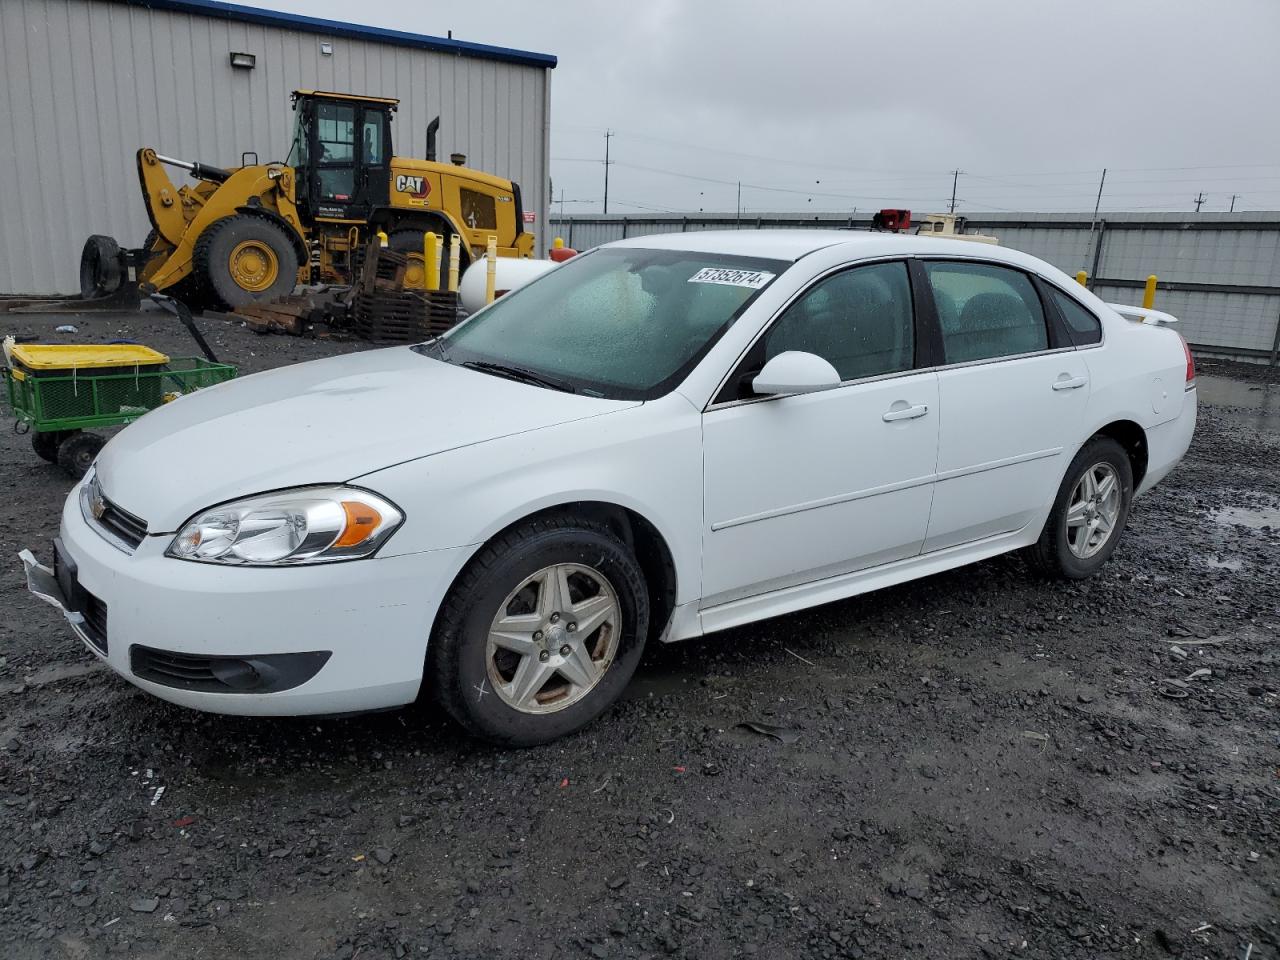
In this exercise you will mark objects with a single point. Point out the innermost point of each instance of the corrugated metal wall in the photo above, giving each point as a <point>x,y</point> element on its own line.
<point>88,82</point>
<point>1219,273</point>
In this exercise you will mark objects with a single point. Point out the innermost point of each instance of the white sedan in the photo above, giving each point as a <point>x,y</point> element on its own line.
<point>661,438</point>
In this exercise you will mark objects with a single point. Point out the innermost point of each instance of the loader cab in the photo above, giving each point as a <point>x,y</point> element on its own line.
<point>342,154</point>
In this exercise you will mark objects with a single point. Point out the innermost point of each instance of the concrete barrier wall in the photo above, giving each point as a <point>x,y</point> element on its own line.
<point>1219,273</point>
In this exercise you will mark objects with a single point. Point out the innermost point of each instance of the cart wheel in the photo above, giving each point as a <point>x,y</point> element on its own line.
<point>46,444</point>
<point>76,453</point>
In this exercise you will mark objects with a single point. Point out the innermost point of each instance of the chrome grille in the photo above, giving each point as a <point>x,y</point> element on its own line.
<point>122,524</point>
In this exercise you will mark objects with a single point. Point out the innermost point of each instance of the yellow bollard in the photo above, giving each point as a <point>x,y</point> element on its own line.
<point>382,237</point>
<point>1082,278</point>
<point>557,243</point>
<point>455,260</point>
<point>1149,294</point>
<point>431,259</point>
<point>491,270</point>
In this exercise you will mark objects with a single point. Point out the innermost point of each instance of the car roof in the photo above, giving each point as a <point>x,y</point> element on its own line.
<point>794,244</point>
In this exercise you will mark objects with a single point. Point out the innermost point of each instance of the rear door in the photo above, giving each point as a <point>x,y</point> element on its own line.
<point>1012,390</point>
<point>800,488</point>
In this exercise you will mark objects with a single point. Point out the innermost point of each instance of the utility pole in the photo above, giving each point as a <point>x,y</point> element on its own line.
<point>1234,198</point>
<point>1097,204</point>
<point>562,203</point>
<point>607,135</point>
<point>955,179</point>
<point>1200,198</point>
<point>739,218</point>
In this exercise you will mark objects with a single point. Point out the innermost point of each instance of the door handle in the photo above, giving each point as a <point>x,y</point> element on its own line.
<point>1065,382</point>
<point>906,413</point>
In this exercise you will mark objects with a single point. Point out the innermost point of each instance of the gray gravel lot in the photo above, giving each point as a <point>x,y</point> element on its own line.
<point>984,766</point>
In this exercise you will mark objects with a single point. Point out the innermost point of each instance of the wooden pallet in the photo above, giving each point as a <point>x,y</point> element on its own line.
<point>403,316</point>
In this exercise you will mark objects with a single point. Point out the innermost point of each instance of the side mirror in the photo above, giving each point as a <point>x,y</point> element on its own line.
<point>796,372</point>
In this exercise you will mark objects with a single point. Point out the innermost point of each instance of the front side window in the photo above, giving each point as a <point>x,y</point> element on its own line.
<point>336,135</point>
<point>337,126</point>
<point>1083,327</point>
<point>860,321</point>
<point>623,323</point>
<point>986,311</point>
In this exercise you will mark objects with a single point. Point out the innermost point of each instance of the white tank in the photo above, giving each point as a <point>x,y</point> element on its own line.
<point>512,273</point>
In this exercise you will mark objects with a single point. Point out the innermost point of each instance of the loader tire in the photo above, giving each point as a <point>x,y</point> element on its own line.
<point>244,259</point>
<point>100,274</point>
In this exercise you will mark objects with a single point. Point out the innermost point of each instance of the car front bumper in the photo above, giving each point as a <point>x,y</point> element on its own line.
<point>328,638</point>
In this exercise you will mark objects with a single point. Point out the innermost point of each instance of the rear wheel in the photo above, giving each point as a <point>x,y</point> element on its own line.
<point>541,633</point>
<point>1089,513</point>
<point>243,259</point>
<point>76,452</point>
<point>410,243</point>
<point>46,444</point>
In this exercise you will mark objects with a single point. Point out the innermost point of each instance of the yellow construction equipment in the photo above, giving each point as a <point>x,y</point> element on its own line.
<point>255,231</point>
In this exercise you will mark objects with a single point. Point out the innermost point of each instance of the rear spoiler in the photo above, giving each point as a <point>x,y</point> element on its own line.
<point>1143,314</point>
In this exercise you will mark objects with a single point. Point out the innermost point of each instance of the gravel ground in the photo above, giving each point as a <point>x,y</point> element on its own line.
<point>979,764</point>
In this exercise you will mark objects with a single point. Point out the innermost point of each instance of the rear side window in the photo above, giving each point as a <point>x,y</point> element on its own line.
<point>986,311</point>
<point>860,321</point>
<point>1083,326</point>
<point>479,210</point>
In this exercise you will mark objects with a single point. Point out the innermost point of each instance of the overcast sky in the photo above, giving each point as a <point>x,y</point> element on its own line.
<point>845,104</point>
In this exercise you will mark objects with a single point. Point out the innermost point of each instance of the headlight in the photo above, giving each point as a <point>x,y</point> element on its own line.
<point>305,525</point>
<point>92,503</point>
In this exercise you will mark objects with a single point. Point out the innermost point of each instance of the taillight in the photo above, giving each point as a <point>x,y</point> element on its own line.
<point>1191,363</point>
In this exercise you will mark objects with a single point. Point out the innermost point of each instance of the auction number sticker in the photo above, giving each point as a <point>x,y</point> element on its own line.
<point>755,279</point>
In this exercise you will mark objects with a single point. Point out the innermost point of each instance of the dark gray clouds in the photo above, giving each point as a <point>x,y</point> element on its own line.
<point>835,105</point>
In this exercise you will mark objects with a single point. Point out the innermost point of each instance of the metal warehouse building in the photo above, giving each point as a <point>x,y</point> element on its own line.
<point>88,82</point>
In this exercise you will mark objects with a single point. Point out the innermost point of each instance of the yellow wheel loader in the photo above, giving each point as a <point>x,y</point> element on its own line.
<point>254,232</point>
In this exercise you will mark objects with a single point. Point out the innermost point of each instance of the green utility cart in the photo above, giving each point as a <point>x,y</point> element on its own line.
<point>59,392</point>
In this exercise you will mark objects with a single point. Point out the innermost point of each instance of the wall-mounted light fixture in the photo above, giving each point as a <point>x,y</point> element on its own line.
<point>243,61</point>
<point>326,48</point>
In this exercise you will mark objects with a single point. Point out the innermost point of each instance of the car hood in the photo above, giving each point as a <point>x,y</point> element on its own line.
<point>326,421</point>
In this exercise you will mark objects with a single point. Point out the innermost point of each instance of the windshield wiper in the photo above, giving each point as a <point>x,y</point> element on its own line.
<point>520,375</point>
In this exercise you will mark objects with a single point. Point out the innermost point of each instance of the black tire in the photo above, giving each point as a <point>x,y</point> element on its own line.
<point>1052,554</point>
<point>76,453</point>
<point>46,444</point>
<point>457,664</point>
<point>211,260</point>
<point>100,273</point>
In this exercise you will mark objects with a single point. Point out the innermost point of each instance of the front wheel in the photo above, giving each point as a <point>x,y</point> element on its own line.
<point>541,633</point>
<point>245,258</point>
<point>1089,513</point>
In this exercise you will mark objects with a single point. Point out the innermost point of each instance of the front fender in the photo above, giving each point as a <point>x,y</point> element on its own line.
<point>647,458</point>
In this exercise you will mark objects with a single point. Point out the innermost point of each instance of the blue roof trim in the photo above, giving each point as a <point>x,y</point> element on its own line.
<point>337,28</point>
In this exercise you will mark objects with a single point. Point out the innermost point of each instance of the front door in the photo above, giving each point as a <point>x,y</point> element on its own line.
<point>351,169</point>
<point>799,488</point>
<point>1012,399</point>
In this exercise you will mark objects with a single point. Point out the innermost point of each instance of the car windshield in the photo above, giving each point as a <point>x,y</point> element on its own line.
<point>623,323</point>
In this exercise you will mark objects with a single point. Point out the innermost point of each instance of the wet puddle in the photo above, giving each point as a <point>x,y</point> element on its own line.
<point>1258,518</point>
<point>1221,563</point>
<point>1256,405</point>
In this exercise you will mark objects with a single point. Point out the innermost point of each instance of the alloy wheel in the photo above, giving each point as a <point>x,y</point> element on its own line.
<point>553,638</point>
<point>1093,510</point>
